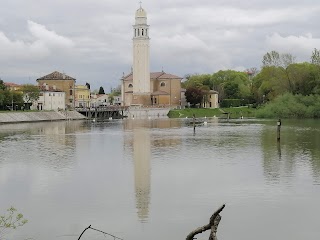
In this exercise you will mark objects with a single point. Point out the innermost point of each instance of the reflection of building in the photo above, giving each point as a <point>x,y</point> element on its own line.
<point>63,82</point>
<point>141,87</point>
<point>141,157</point>
<point>141,144</point>
<point>82,96</point>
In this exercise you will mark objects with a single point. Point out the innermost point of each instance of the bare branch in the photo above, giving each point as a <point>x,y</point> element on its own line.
<point>213,225</point>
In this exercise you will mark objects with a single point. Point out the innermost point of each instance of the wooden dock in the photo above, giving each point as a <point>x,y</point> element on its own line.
<point>106,112</point>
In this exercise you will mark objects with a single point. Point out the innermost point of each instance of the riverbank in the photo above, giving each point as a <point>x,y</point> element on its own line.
<point>236,112</point>
<point>21,116</point>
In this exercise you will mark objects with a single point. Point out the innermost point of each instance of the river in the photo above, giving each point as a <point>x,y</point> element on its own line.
<point>158,179</point>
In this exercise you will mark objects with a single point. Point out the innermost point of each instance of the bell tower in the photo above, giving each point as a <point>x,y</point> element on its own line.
<point>141,58</point>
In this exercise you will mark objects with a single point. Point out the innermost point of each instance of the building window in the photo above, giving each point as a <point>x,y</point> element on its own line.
<point>162,84</point>
<point>142,32</point>
<point>70,91</point>
<point>130,85</point>
<point>138,32</point>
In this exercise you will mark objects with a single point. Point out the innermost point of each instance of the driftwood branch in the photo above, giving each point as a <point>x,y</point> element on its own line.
<point>213,225</point>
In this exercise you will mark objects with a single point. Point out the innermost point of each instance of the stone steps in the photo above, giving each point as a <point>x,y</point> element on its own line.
<point>14,117</point>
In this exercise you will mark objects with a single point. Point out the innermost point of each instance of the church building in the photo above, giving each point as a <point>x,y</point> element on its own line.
<point>142,87</point>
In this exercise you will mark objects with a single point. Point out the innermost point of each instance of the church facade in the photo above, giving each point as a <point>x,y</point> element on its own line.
<point>142,87</point>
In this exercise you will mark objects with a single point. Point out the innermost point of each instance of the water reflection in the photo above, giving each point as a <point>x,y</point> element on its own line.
<point>51,144</point>
<point>141,144</point>
<point>142,171</point>
<point>297,151</point>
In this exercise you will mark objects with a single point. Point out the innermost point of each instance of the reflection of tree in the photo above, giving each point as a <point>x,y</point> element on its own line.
<point>299,146</point>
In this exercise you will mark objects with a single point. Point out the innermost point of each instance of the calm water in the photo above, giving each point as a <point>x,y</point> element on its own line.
<point>157,179</point>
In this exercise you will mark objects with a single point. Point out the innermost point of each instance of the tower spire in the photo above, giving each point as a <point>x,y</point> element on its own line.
<point>140,4</point>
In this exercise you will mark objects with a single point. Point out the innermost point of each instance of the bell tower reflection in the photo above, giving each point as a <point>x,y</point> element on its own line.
<point>142,172</point>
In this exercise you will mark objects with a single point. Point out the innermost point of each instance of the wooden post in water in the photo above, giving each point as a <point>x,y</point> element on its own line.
<point>194,122</point>
<point>278,129</point>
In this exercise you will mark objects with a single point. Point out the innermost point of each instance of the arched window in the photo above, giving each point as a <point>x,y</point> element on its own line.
<point>130,85</point>
<point>142,32</point>
<point>162,84</point>
<point>138,32</point>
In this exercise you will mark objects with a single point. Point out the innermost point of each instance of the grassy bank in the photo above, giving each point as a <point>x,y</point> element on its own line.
<point>216,112</point>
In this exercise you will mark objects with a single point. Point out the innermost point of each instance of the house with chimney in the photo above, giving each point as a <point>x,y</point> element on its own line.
<point>50,99</point>
<point>62,82</point>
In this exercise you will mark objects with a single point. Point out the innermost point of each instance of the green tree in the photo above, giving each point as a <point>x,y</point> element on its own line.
<point>197,80</point>
<point>111,99</point>
<point>101,90</point>
<point>10,99</point>
<point>2,86</point>
<point>30,93</point>
<point>232,84</point>
<point>315,57</point>
<point>276,59</point>
<point>11,220</point>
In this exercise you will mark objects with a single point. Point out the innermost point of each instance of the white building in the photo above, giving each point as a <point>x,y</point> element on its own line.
<point>50,98</point>
<point>98,100</point>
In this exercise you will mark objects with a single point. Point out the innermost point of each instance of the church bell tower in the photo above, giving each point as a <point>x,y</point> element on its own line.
<point>141,57</point>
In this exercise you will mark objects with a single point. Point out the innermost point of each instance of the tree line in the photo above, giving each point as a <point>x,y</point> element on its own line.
<point>279,74</point>
<point>19,99</point>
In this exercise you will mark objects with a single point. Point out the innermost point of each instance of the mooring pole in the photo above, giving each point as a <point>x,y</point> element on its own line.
<point>194,122</point>
<point>278,129</point>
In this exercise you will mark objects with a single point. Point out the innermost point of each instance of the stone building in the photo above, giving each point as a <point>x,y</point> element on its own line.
<point>210,100</point>
<point>141,87</point>
<point>63,82</point>
<point>82,96</point>
<point>164,90</point>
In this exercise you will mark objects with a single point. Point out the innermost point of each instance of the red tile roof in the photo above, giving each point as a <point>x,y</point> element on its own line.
<point>153,76</point>
<point>49,89</point>
<point>56,76</point>
<point>9,84</point>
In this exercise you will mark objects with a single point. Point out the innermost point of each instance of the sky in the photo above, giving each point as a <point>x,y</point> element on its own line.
<point>91,40</point>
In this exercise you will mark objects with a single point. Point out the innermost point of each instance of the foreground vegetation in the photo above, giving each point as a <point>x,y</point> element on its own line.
<point>11,220</point>
<point>291,106</point>
<point>284,106</point>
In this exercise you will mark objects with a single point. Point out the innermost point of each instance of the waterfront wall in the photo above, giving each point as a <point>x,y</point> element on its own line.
<point>16,117</point>
<point>147,112</point>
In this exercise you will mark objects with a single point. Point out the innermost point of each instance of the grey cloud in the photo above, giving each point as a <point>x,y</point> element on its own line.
<point>92,40</point>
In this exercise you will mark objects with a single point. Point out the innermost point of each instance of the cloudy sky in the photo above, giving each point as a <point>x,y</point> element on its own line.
<point>91,40</point>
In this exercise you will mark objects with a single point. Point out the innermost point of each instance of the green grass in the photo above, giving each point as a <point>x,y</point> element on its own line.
<point>211,112</point>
